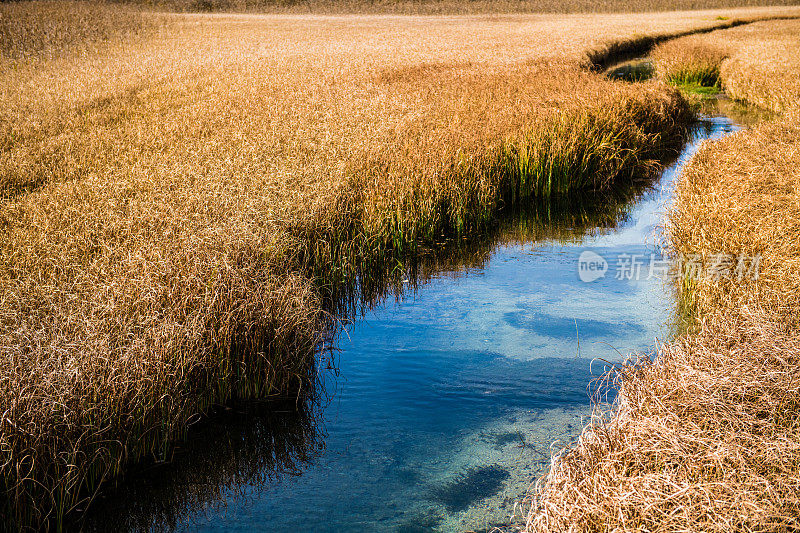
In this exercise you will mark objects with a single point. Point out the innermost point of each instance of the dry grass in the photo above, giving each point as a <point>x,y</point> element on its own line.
<point>705,438</point>
<point>51,30</point>
<point>688,63</point>
<point>764,68</point>
<point>174,223</point>
<point>176,226</point>
<point>757,63</point>
<point>740,196</point>
<point>450,7</point>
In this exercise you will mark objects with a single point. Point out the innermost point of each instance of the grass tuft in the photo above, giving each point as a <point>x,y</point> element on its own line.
<point>695,67</point>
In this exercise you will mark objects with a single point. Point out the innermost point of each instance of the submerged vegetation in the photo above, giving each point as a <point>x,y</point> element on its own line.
<point>705,437</point>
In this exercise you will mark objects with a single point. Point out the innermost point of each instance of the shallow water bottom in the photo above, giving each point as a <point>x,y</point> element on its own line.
<point>446,404</point>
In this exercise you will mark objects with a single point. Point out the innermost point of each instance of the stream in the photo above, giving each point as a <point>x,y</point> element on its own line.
<point>447,402</point>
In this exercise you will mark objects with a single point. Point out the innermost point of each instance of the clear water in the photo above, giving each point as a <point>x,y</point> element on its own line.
<point>446,404</point>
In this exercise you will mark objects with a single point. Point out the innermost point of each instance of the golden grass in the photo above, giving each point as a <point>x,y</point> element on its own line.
<point>705,438</point>
<point>684,63</point>
<point>176,227</point>
<point>763,70</point>
<point>450,7</point>
<point>757,63</point>
<point>749,206</point>
<point>51,30</point>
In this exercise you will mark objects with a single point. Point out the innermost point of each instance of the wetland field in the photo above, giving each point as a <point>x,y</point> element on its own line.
<point>317,265</point>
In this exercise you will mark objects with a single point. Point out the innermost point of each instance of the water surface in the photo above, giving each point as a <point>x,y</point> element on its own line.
<point>446,403</point>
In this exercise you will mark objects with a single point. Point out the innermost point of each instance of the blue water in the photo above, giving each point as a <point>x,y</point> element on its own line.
<point>448,403</point>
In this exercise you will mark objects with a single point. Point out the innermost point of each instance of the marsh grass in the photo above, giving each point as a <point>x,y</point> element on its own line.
<point>448,7</point>
<point>53,29</point>
<point>242,323</point>
<point>701,439</point>
<point>704,436</point>
<point>753,64</point>
<point>182,230</point>
<point>695,67</point>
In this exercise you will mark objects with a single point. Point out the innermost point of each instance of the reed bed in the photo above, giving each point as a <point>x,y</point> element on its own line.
<point>749,208</point>
<point>183,229</point>
<point>755,64</point>
<point>704,437</point>
<point>52,29</point>
<point>177,227</point>
<point>683,63</point>
<point>764,69</point>
<point>448,7</point>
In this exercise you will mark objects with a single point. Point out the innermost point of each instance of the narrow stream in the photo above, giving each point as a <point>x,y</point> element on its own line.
<point>445,402</point>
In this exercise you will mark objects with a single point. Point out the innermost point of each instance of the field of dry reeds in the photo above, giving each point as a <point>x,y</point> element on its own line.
<point>447,7</point>
<point>705,438</point>
<point>188,202</point>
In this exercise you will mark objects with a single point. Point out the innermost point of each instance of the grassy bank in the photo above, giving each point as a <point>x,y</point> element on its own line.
<point>692,64</point>
<point>186,207</point>
<point>178,226</point>
<point>754,64</point>
<point>705,438</point>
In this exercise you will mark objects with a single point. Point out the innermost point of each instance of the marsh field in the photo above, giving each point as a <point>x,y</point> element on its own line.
<point>286,265</point>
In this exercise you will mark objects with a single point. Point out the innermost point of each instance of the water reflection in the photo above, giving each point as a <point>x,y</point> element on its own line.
<point>250,445</point>
<point>443,404</point>
<point>560,219</point>
<point>259,444</point>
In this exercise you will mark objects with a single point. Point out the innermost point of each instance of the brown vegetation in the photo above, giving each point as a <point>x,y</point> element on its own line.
<point>450,7</point>
<point>705,438</point>
<point>181,212</point>
<point>685,63</point>
<point>51,29</point>
<point>757,63</point>
<point>175,226</point>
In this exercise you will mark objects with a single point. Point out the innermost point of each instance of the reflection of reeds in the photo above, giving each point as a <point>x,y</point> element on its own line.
<point>250,445</point>
<point>564,219</point>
